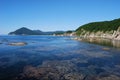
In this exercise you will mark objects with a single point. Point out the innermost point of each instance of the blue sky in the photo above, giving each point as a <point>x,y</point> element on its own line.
<point>52,15</point>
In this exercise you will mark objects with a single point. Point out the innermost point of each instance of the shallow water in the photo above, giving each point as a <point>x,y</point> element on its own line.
<point>60,56</point>
<point>103,41</point>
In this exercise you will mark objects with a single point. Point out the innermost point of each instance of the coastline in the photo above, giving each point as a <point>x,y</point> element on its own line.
<point>110,38</point>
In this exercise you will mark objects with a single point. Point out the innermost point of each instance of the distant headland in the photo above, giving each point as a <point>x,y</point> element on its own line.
<point>26,31</point>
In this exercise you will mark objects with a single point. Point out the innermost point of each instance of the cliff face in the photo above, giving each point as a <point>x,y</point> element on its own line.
<point>113,34</point>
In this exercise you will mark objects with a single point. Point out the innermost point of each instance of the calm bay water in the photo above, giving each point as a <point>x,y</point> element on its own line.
<point>56,58</point>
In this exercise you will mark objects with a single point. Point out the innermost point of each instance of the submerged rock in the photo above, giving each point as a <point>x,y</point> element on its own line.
<point>105,48</point>
<point>52,70</point>
<point>17,43</point>
<point>40,73</point>
<point>74,76</point>
<point>111,77</point>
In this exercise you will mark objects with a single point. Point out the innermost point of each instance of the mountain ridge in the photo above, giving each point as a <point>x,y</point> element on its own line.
<point>26,31</point>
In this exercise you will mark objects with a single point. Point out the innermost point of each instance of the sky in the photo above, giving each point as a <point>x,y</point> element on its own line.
<point>55,15</point>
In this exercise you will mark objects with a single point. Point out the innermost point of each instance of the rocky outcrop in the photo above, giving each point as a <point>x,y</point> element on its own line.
<point>18,44</point>
<point>114,35</point>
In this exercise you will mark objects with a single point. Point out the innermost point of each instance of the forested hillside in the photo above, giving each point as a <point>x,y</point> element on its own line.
<point>99,26</point>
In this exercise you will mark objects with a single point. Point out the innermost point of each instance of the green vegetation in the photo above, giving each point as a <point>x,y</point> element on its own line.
<point>59,32</point>
<point>69,31</point>
<point>99,26</point>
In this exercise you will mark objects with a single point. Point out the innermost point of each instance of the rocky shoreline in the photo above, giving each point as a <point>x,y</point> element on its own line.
<point>113,35</point>
<point>111,38</point>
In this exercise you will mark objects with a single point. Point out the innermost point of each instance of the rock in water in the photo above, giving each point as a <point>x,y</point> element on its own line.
<point>106,48</point>
<point>18,44</point>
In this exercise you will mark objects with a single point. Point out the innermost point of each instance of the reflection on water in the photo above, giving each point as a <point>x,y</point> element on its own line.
<point>57,58</point>
<point>102,41</point>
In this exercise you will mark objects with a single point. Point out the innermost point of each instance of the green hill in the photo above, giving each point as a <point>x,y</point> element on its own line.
<point>99,26</point>
<point>24,31</point>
